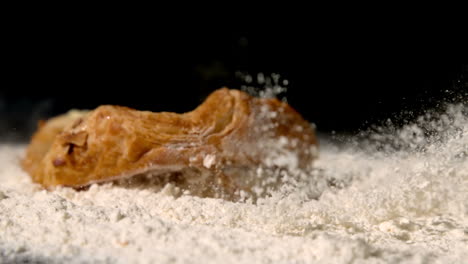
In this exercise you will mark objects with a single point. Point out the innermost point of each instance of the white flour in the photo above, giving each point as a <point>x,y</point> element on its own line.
<point>377,205</point>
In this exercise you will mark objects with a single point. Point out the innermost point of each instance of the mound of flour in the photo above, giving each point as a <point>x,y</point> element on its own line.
<point>395,196</point>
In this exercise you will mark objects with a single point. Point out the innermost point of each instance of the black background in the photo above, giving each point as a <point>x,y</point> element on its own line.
<point>342,78</point>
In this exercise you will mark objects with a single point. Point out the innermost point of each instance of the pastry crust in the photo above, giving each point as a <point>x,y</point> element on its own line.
<point>230,131</point>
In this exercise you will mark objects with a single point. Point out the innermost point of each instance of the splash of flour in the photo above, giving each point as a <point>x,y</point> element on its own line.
<point>397,195</point>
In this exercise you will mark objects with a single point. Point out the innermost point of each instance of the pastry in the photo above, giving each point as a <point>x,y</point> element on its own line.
<point>215,150</point>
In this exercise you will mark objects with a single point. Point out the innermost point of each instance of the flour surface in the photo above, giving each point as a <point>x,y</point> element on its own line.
<point>394,196</point>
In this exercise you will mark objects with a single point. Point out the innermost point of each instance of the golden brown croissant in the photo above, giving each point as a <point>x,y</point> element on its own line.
<point>207,151</point>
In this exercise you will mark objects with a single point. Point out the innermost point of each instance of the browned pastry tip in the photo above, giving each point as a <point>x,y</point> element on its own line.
<point>204,150</point>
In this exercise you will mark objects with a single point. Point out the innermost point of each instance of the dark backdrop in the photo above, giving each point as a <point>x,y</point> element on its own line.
<point>342,78</point>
